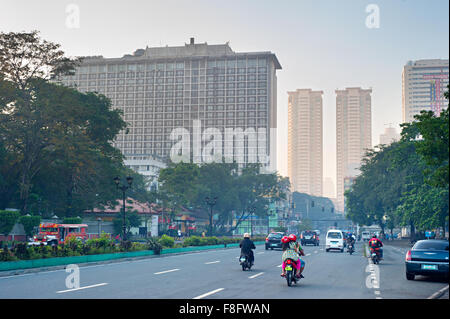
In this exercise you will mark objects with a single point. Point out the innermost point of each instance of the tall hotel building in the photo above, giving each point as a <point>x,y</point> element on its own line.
<point>164,89</point>
<point>353,135</point>
<point>423,85</point>
<point>305,141</point>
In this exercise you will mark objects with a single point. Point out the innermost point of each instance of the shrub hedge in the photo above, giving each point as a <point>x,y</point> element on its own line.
<point>106,245</point>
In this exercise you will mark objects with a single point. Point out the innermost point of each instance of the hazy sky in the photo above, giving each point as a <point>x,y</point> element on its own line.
<point>323,45</point>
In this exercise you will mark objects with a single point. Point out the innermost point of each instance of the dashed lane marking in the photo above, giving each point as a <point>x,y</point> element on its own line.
<point>81,288</point>
<point>254,276</point>
<point>165,271</point>
<point>208,293</point>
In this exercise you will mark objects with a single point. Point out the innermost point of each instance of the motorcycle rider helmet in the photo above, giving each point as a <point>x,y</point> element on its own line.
<point>246,235</point>
<point>292,237</point>
<point>285,239</point>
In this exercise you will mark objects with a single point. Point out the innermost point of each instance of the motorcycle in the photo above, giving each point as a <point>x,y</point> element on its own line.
<point>375,255</point>
<point>291,272</point>
<point>245,262</point>
<point>350,249</point>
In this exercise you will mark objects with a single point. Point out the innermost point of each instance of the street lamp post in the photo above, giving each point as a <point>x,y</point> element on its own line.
<point>123,188</point>
<point>210,202</point>
<point>99,220</point>
<point>252,211</point>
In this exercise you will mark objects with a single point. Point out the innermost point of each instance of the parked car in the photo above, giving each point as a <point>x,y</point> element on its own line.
<point>309,237</point>
<point>427,257</point>
<point>334,240</point>
<point>273,240</point>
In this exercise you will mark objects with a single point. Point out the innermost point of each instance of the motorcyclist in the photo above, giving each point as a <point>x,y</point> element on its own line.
<point>351,240</point>
<point>292,250</point>
<point>246,246</point>
<point>375,243</point>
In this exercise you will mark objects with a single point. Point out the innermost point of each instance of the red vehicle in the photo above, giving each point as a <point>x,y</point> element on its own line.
<point>50,233</point>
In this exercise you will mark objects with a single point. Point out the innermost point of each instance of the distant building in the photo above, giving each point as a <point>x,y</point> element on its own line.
<point>423,85</point>
<point>329,188</point>
<point>353,134</point>
<point>389,136</point>
<point>305,141</point>
<point>171,93</point>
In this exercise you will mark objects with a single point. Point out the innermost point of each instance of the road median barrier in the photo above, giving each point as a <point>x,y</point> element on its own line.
<point>59,261</point>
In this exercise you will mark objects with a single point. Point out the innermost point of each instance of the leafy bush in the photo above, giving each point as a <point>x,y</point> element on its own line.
<point>72,220</point>
<point>167,241</point>
<point>154,244</point>
<point>192,241</point>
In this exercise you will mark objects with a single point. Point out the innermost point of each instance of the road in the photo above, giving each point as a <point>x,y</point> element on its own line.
<point>217,274</point>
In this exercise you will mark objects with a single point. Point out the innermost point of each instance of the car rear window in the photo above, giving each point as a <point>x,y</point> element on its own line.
<point>433,245</point>
<point>334,235</point>
<point>275,236</point>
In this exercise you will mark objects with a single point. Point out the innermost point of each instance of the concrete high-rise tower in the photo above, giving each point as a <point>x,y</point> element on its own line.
<point>211,96</point>
<point>423,85</point>
<point>353,134</point>
<point>305,141</point>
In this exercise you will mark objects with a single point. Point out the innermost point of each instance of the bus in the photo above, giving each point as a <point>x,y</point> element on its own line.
<point>51,233</point>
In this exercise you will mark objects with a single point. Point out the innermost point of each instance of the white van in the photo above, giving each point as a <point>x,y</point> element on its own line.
<point>334,240</point>
<point>365,236</point>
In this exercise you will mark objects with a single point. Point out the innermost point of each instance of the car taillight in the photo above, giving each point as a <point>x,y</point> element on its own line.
<point>314,236</point>
<point>408,255</point>
<point>301,236</point>
<point>267,238</point>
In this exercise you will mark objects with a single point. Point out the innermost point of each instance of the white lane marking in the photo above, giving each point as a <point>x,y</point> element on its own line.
<point>254,276</point>
<point>212,262</point>
<point>307,255</point>
<point>315,251</point>
<point>260,253</point>
<point>208,293</point>
<point>86,287</point>
<point>280,265</point>
<point>377,292</point>
<point>165,271</point>
<point>378,298</point>
<point>437,293</point>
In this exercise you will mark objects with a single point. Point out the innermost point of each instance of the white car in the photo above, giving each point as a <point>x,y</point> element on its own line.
<point>334,240</point>
<point>365,236</point>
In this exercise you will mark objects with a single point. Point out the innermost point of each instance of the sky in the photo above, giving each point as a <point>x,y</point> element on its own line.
<point>323,45</point>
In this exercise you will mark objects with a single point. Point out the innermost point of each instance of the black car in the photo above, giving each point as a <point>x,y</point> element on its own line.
<point>273,240</point>
<point>309,237</point>
<point>428,258</point>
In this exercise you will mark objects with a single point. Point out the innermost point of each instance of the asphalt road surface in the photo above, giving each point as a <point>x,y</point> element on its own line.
<point>217,274</point>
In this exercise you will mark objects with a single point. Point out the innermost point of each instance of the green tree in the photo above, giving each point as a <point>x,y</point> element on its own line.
<point>7,221</point>
<point>29,223</point>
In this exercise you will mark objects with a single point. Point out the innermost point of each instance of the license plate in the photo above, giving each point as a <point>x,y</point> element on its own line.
<point>288,268</point>
<point>334,242</point>
<point>273,245</point>
<point>307,237</point>
<point>429,267</point>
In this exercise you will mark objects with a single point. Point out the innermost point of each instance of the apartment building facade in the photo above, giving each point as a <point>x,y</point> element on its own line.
<point>305,141</point>
<point>353,135</point>
<point>423,85</point>
<point>168,94</point>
